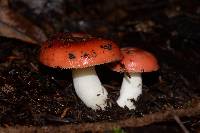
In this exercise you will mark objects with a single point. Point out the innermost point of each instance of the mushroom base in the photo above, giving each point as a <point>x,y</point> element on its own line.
<point>89,88</point>
<point>130,90</point>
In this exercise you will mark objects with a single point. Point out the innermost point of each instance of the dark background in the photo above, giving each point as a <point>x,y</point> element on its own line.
<point>32,94</point>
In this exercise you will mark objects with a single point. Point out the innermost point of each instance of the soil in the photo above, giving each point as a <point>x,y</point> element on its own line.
<point>33,94</point>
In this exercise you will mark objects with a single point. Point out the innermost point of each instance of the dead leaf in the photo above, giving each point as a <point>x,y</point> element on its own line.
<point>9,32</point>
<point>4,2</point>
<point>13,25</point>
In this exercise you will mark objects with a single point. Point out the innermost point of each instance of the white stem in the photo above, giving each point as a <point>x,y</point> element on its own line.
<point>89,89</point>
<point>131,88</point>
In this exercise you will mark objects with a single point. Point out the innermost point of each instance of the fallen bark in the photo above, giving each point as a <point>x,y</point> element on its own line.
<point>102,126</point>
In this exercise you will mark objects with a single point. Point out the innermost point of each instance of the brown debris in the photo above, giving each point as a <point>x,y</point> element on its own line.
<point>7,88</point>
<point>146,26</point>
<point>175,11</point>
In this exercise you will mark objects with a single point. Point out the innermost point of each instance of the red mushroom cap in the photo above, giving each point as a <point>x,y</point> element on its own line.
<point>136,60</point>
<point>78,50</point>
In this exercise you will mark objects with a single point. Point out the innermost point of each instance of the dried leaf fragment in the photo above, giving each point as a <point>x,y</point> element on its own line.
<point>14,25</point>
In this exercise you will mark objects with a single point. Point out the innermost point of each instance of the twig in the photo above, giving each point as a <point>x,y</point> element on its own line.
<point>64,112</point>
<point>180,124</point>
<point>35,68</point>
<point>109,86</point>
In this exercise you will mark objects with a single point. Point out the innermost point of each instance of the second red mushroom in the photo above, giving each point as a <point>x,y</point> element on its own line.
<point>135,61</point>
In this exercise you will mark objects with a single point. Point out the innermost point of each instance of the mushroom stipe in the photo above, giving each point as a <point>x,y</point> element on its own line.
<point>83,53</point>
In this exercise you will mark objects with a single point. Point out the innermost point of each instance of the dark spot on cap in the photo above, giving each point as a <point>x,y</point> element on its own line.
<point>86,55</point>
<point>98,94</point>
<point>71,56</point>
<point>94,54</point>
<point>106,46</point>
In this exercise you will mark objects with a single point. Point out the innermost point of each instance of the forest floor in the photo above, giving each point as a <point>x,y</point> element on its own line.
<point>36,96</point>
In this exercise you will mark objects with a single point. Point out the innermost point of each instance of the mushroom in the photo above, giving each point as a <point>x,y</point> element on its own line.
<point>134,62</point>
<point>80,53</point>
